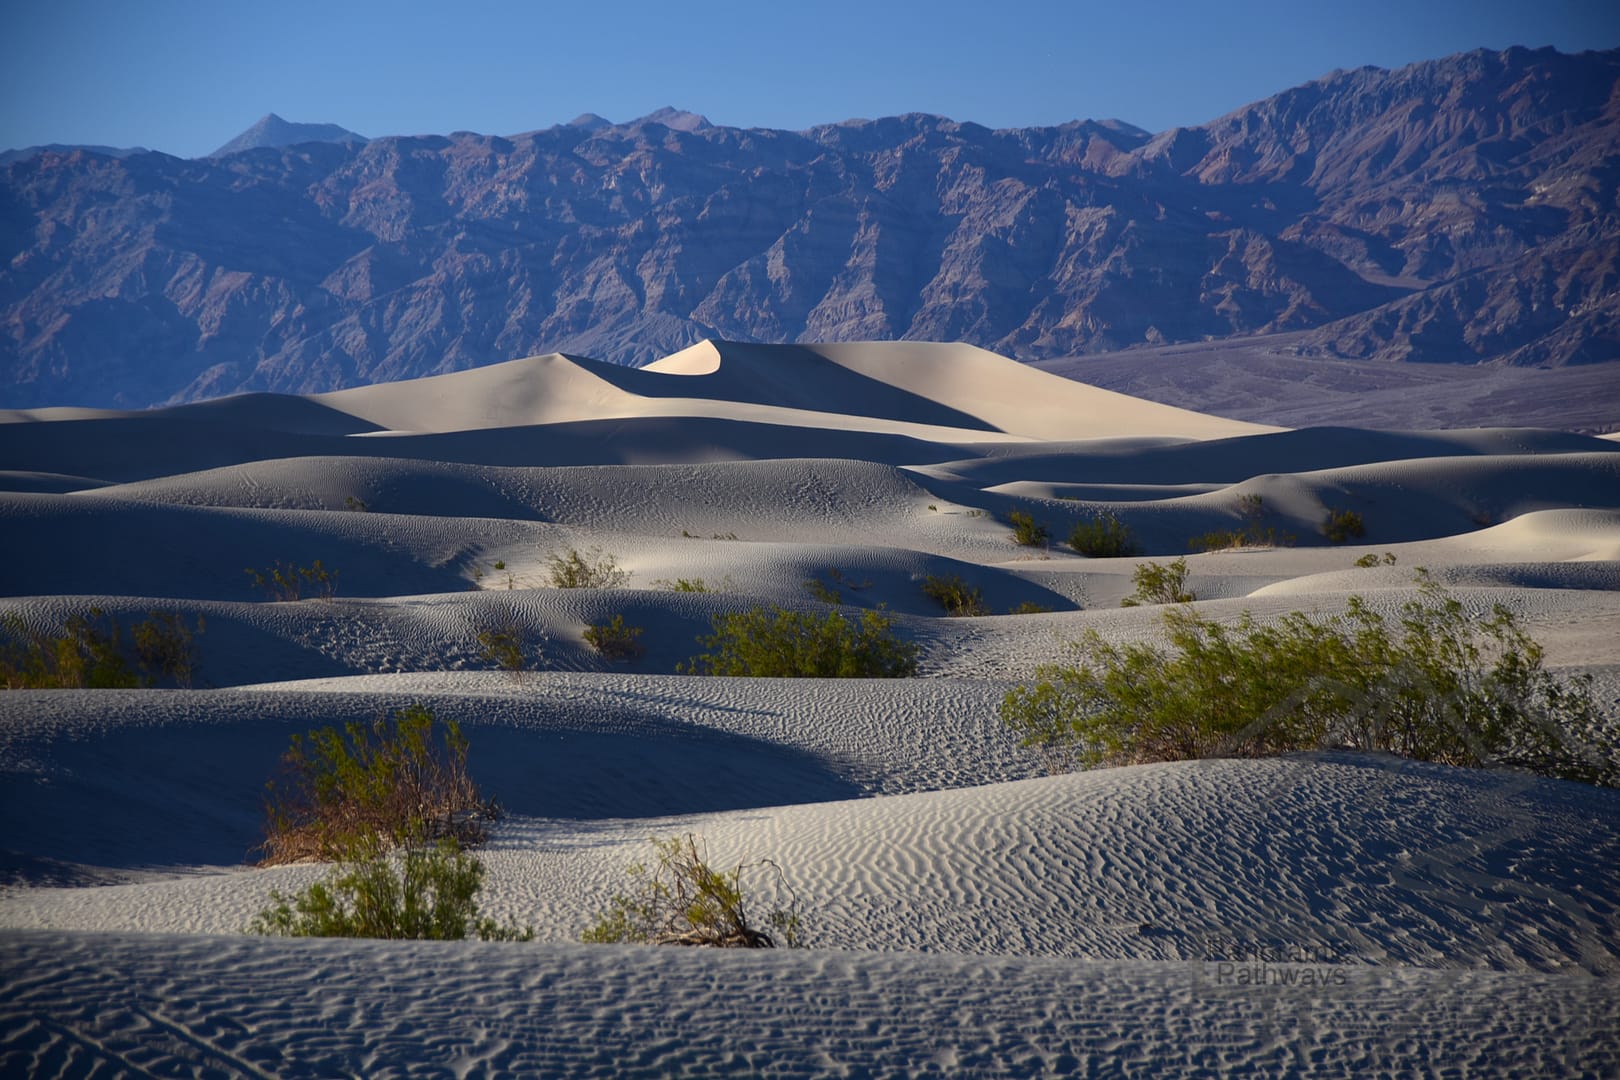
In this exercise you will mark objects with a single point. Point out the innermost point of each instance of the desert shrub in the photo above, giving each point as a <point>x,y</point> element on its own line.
<point>1251,508</point>
<point>1248,536</point>
<point>1026,531</point>
<point>683,900</point>
<point>503,644</point>
<point>574,569</point>
<point>1158,583</point>
<point>416,893</point>
<point>165,646</point>
<point>1103,536</point>
<point>401,779</point>
<point>1370,559</point>
<point>695,585</point>
<point>1440,686</point>
<point>1341,525</point>
<point>953,594</point>
<point>777,643</point>
<point>286,582</point>
<point>89,653</point>
<point>828,592</point>
<point>355,504</point>
<point>1030,607</point>
<point>499,566</point>
<point>614,640</point>
<point>822,591</point>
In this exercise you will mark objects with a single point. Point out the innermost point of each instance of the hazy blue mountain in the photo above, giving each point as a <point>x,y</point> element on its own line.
<point>8,156</point>
<point>273,132</point>
<point>1461,210</point>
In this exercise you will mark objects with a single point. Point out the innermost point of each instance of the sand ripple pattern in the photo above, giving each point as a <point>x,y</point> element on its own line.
<point>78,1005</point>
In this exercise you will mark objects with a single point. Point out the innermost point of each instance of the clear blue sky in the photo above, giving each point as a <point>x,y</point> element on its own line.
<point>184,76</point>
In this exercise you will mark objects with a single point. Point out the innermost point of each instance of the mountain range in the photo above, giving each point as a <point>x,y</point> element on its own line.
<point>1462,210</point>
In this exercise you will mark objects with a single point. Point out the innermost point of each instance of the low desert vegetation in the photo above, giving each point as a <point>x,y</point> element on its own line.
<point>400,780</point>
<point>1370,559</point>
<point>956,596</point>
<point>503,575</point>
<point>413,893</point>
<point>287,582</point>
<point>1160,583</point>
<point>830,591</point>
<point>504,644</point>
<point>355,504</point>
<point>1252,533</point>
<point>692,585</point>
<point>779,643</point>
<point>1438,685</point>
<point>1342,525</point>
<point>682,899</point>
<point>1027,532</point>
<point>92,652</point>
<point>393,804</point>
<point>821,590</point>
<point>1030,607</point>
<point>592,569</point>
<point>614,640</point>
<point>1103,536</point>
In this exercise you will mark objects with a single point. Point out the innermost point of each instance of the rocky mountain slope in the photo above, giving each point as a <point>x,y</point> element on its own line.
<point>1460,210</point>
<point>272,132</point>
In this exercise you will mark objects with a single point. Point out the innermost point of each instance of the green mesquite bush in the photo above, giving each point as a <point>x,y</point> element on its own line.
<point>777,643</point>
<point>1440,686</point>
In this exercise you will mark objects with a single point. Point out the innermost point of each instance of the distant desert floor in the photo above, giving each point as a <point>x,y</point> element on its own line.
<point>966,913</point>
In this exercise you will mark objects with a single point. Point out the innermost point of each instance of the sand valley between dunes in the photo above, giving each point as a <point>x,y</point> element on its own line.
<point>1328,913</point>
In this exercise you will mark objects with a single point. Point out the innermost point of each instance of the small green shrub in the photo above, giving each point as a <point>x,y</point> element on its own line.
<point>1030,607</point>
<point>823,591</point>
<point>614,640</point>
<point>1441,686</point>
<point>1248,536</point>
<point>1160,583</point>
<point>286,582</point>
<point>1370,559</point>
<point>591,569</point>
<point>165,647</point>
<point>1341,525</point>
<point>1251,508</point>
<point>89,653</point>
<point>355,504</point>
<point>503,644</point>
<point>402,779</point>
<point>777,643</point>
<point>1103,536</point>
<point>956,596</point>
<point>695,585</point>
<point>1026,531</point>
<point>427,894</point>
<point>499,565</point>
<point>683,900</point>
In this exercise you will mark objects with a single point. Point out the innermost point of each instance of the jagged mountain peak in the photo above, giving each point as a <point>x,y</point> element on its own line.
<point>675,119</point>
<point>273,132</point>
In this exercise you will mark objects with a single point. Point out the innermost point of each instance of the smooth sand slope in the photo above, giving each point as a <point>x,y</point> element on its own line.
<point>967,913</point>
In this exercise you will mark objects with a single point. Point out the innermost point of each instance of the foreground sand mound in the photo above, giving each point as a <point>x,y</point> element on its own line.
<point>179,1003</point>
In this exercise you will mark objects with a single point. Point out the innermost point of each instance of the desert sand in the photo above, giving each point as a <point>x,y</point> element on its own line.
<point>966,912</point>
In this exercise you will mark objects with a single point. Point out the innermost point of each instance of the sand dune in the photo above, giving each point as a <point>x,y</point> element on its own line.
<point>967,913</point>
